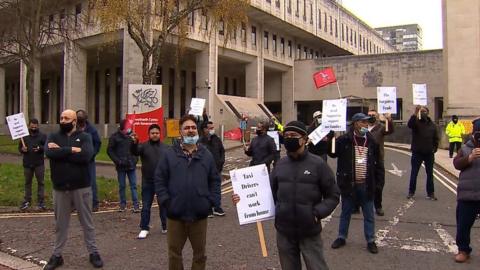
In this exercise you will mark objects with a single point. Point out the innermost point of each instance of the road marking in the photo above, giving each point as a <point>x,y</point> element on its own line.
<point>446,237</point>
<point>396,171</point>
<point>381,235</point>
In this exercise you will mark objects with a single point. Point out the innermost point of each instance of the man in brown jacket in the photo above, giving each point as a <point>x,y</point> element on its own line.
<point>379,131</point>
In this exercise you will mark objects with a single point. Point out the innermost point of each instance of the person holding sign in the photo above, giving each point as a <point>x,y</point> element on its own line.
<point>357,172</point>
<point>70,151</point>
<point>454,130</point>
<point>262,148</point>
<point>187,182</point>
<point>304,192</point>
<point>379,131</point>
<point>321,148</point>
<point>425,141</point>
<point>33,164</point>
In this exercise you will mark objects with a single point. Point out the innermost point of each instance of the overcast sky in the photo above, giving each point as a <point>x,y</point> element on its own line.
<point>426,13</point>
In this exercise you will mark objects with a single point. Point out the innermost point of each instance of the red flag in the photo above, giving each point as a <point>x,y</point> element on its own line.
<point>324,77</point>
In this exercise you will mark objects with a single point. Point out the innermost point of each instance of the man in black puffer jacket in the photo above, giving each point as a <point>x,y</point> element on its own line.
<point>357,170</point>
<point>118,150</point>
<point>304,192</point>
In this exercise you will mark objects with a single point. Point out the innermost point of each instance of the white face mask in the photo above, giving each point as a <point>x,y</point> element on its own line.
<point>211,131</point>
<point>319,121</point>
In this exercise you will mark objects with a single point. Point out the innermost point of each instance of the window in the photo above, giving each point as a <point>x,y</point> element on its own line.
<point>62,18</point>
<point>351,36</point>
<point>50,21</point>
<point>107,96</point>
<point>274,44</point>
<point>277,3</point>
<point>360,41</point>
<point>221,27</point>
<point>311,13</point>
<point>78,12</point>
<point>204,21</point>
<point>235,90</point>
<point>331,26</point>
<point>305,10</point>
<point>290,48</point>
<point>305,53</point>
<point>325,22</point>
<point>297,12</point>
<point>319,19</point>
<point>299,51</point>
<point>289,7</point>
<point>243,32</point>
<point>343,32</point>
<point>282,46</point>
<point>265,40</point>
<point>336,28</point>
<point>254,36</point>
<point>183,91</point>
<point>269,1</point>
<point>191,18</point>
<point>355,39</point>
<point>311,54</point>
<point>225,90</point>
<point>346,33</point>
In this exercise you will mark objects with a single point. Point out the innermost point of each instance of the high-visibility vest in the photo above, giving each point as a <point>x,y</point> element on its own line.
<point>455,131</point>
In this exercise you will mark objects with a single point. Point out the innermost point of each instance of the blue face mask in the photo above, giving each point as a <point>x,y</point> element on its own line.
<point>190,140</point>
<point>363,131</point>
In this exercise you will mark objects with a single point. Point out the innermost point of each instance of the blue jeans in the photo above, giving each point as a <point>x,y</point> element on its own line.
<point>132,179</point>
<point>93,182</point>
<point>148,193</point>
<point>467,211</point>
<point>416,162</point>
<point>348,204</point>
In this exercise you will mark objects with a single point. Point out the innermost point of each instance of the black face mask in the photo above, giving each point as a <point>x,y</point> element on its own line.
<point>66,127</point>
<point>81,122</point>
<point>292,144</point>
<point>259,132</point>
<point>455,121</point>
<point>424,116</point>
<point>372,120</point>
<point>33,131</point>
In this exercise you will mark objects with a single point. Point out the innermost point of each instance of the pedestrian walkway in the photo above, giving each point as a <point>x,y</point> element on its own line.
<point>8,262</point>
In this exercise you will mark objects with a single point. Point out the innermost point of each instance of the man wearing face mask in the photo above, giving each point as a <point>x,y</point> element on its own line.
<point>187,182</point>
<point>357,170</point>
<point>118,150</point>
<point>379,131</point>
<point>70,152</point>
<point>33,164</point>
<point>424,146</point>
<point>262,148</point>
<point>304,192</point>
<point>215,146</point>
<point>454,130</point>
<point>468,192</point>
<point>85,126</point>
<point>321,148</point>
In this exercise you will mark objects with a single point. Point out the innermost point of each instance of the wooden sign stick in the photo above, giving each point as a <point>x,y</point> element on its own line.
<point>386,124</point>
<point>333,145</point>
<point>23,142</point>
<point>261,237</point>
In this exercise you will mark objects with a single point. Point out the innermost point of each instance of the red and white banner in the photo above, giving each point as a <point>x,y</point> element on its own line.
<point>144,109</point>
<point>324,77</point>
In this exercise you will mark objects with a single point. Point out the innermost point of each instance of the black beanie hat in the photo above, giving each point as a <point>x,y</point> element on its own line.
<point>296,126</point>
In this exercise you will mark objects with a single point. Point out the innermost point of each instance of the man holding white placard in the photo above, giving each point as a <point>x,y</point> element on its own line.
<point>357,171</point>
<point>304,192</point>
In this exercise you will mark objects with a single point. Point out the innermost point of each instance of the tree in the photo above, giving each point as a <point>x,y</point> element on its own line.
<point>152,23</point>
<point>28,28</point>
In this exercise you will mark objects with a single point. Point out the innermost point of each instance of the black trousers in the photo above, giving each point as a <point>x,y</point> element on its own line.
<point>379,185</point>
<point>452,146</point>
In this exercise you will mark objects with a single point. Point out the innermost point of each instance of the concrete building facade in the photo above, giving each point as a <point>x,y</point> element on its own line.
<point>405,38</point>
<point>256,66</point>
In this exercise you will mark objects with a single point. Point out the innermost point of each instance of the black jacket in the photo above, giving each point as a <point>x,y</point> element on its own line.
<point>96,141</point>
<point>215,146</point>
<point>262,150</point>
<point>188,187</point>
<point>69,171</point>
<point>302,189</point>
<point>119,151</point>
<point>424,135</point>
<point>344,151</point>
<point>149,153</point>
<point>31,158</point>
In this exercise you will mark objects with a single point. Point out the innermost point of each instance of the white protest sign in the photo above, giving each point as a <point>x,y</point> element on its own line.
<point>334,115</point>
<point>420,96</point>
<point>387,100</point>
<point>196,106</point>
<point>318,134</point>
<point>276,138</point>
<point>17,126</point>
<point>252,184</point>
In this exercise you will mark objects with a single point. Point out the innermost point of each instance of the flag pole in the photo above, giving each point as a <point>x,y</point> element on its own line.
<point>338,87</point>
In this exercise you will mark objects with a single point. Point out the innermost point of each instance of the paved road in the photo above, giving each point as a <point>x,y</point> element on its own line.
<point>414,234</point>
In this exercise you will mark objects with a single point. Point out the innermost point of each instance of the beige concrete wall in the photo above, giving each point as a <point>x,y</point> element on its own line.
<point>461,34</point>
<point>359,76</point>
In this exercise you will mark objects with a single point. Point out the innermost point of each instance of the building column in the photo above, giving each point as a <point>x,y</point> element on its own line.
<point>22,91</point>
<point>3,99</point>
<point>101,93</point>
<point>206,72</point>
<point>254,76</point>
<point>113,88</point>
<point>132,68</point>
<point>75,78</point>
<point>289,112</point>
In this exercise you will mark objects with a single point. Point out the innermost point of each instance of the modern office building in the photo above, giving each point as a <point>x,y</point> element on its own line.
<point>403,37</point>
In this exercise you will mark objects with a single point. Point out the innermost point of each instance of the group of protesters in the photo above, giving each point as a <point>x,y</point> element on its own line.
<point>186,178</point>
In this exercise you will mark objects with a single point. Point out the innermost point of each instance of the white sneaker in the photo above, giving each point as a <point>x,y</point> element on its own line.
<point>164,231</point>
<point>143,234</point>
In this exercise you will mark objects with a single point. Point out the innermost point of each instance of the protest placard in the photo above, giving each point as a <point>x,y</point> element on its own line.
<point>196,106</point>
<point>317,135</point>
<point>387,100</point>
<point>334,115</point>
<point>252,184</point>
<point>144,108</point>
<point>275,137</point>
<point>420,96</point>
<point>17,126</point>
